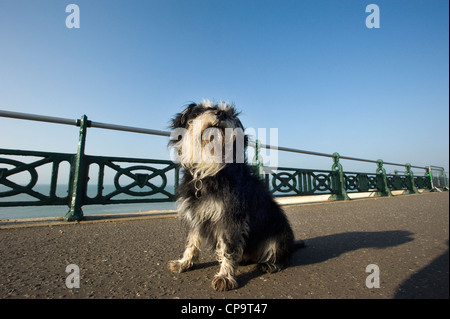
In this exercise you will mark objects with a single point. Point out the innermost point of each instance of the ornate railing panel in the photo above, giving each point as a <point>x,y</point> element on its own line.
<point>10,169</point>
<point>292,181</point>
<point>134,181</point>
<point>285,181</point>
<point>145,181</point>
<point>422,182</point>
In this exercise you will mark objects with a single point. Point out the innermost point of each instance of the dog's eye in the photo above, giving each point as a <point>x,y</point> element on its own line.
<point>220,114</point>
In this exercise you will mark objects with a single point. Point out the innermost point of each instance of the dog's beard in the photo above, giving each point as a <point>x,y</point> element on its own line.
<point>204,149</point>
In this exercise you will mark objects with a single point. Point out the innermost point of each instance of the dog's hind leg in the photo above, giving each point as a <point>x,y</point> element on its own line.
<point>275,255</point>
<point>228,257</point>
<point>268,259</point>
<point>190,254</point>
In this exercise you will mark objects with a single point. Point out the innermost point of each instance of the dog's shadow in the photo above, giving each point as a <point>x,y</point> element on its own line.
<point>323,248</point>
<point>320,249</point>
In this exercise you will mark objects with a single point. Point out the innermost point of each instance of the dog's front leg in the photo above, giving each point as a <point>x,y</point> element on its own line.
<point>190,254</point>
<point>228,257</point>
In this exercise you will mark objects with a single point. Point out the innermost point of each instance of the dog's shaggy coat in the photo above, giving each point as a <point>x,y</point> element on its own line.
<point>225,203</point>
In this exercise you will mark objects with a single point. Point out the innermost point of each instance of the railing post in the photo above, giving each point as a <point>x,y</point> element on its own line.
<point>428,175</point>
<point>410,184</point>
<point>445,188</point>
<point>78,175</point>
<point>381,181</point>
<point>258,160</point>
<point>337,180</point>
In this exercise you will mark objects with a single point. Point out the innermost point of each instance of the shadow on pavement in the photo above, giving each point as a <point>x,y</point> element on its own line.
<point>431,282</point>
<point>322,248</point>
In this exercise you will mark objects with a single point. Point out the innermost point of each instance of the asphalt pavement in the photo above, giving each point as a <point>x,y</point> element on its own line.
<point>399,244</point>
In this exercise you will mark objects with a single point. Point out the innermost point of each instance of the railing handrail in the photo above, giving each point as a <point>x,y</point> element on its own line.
<point>293,150</point>
<point>66,121</point>
<point>36,117</point>
<point>59,120</point>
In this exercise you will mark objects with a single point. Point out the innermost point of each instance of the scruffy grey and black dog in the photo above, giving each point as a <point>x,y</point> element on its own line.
<point>222,199</point>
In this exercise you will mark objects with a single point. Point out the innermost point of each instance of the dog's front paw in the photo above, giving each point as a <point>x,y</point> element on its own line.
<point>222,283</point>
<point>179,266</point>
<point>176,266</point>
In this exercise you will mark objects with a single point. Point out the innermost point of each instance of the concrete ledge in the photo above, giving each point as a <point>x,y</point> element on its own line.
<point>57,221</point>
<point>324,198</point>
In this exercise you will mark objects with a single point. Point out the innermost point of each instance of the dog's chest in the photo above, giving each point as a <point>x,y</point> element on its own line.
<point>198,211</point>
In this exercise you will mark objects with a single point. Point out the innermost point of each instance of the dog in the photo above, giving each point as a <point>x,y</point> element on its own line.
<point>222,199</point>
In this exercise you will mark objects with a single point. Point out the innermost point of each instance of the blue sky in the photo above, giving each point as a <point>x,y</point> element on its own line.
<point>312,69</point>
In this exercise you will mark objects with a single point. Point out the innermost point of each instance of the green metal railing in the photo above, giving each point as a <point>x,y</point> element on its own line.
<point>138,180</point>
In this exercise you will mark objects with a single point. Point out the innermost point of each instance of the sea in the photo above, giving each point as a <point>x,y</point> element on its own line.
<point>20,212</point>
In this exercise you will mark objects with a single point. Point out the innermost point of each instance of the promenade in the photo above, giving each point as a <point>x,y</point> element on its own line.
<point>405,236</point>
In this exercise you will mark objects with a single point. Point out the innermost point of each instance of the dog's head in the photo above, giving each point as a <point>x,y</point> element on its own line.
<point>206,137</point>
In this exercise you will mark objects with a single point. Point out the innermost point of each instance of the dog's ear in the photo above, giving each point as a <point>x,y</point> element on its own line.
<point>234,114</point>
<point>180,120</point>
